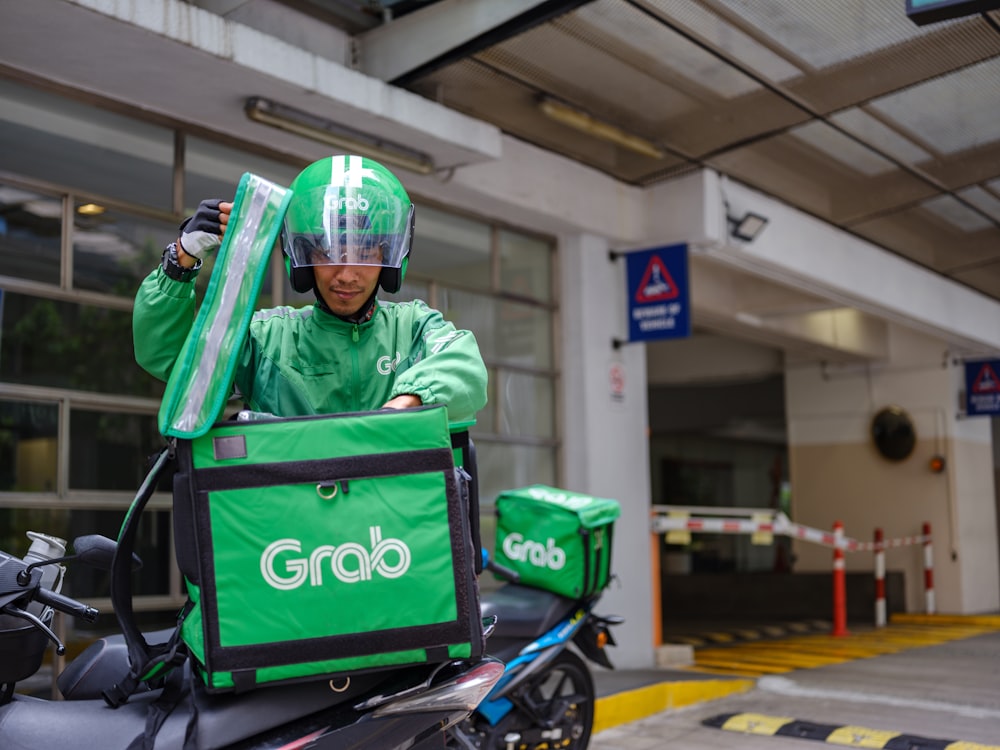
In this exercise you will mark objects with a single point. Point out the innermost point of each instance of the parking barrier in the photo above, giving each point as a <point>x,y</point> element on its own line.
<point>839,582</point>
<point>678,522</point>
<point>880,609</point>
<point>929,571</point>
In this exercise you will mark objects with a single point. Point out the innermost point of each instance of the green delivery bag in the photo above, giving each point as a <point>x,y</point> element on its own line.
<point>556,540</point>
<point>316,546</point>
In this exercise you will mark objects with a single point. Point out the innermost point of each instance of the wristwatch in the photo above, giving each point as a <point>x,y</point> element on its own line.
<point>172,266</point>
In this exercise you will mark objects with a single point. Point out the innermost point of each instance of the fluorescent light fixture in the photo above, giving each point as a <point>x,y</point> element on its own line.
<point>345,139</point>
<point>747,227</point>
<point>581,121</point>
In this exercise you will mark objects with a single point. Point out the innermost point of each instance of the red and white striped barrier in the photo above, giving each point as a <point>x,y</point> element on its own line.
<point>929,571</point>
<point>880,545</point>
<point>667,519</point>
<point>880,611</point>
<point>839,582</point>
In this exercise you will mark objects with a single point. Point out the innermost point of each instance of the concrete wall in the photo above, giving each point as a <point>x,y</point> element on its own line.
<point>837,474</point>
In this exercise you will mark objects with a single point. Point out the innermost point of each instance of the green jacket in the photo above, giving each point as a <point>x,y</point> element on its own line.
<point>300,362</point>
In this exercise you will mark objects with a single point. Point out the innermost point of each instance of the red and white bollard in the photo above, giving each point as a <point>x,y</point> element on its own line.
<point>839,582</point>
<point>929,571</point>
<point>880,612</point>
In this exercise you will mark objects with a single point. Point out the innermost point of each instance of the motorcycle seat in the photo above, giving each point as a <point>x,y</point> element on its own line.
<point>221,719</point>
<point>523,611</point>
<point>27,723</point>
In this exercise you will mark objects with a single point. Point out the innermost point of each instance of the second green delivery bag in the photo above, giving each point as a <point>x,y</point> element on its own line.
<point>556,540</point>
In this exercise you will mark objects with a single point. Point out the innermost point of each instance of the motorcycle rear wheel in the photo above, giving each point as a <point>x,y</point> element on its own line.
<point>556,709</point>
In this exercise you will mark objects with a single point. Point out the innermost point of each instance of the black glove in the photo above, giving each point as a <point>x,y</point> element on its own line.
<point>202,233</point>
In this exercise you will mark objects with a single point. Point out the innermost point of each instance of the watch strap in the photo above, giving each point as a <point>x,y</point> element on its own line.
<point>172,267</point>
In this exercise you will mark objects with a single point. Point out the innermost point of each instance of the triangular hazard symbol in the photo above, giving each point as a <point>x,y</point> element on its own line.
<point>986,381</point>
<point>657,284</point>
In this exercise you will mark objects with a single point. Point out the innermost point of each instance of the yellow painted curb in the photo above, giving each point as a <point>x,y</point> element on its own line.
<point>914,618</point>
<point>632,705</point>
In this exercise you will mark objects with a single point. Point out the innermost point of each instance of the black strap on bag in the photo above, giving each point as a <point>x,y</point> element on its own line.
<point>176,690</point>
<point>147,663</point>
<point>463,441</point>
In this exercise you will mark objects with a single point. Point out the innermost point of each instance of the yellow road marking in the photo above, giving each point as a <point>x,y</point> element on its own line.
<point>860,737</point>
<point>850,736</point>
<point>763,657</point>
<point>756,723</point>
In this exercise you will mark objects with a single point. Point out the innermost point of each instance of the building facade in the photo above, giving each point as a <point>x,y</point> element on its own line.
<point>102,154</point>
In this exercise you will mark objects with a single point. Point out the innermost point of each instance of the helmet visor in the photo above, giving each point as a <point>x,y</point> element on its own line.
<point>344,226</point>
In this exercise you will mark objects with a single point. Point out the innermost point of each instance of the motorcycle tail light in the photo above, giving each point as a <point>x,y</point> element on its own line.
<point>462,693</point>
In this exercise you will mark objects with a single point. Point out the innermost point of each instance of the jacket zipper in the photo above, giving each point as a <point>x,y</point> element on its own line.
<point>356,368</point>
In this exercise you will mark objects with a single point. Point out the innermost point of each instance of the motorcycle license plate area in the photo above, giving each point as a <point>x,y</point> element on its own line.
<point>325,545</point>
<point>556,540</point>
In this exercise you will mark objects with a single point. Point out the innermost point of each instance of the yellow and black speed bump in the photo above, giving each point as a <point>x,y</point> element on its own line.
<point>851,736</point>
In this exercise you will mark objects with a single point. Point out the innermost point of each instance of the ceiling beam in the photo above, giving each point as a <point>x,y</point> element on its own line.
<point>447,30</point>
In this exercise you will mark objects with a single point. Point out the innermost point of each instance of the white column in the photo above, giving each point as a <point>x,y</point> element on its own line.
<point>606,450</point>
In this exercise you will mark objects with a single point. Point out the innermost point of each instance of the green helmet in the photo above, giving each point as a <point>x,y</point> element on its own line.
<point>349,210</point>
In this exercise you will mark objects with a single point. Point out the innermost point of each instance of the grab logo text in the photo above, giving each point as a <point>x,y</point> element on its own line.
<point>547,555</point>
<point>285,568</point>
<point>337,203</point>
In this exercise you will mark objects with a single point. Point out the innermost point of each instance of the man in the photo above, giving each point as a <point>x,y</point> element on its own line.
<point>347,231</point>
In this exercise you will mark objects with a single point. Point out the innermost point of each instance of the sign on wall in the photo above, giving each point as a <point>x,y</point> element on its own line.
<point>931,11</point>
<point>658,301</point>
<point>982,387</point>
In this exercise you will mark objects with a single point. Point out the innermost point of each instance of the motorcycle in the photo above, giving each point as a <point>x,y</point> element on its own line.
<point>403,708</point>
<point>545,698</point>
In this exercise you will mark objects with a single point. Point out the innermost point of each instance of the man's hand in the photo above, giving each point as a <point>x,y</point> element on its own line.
<point>202,233</point>
<point>405,401</point>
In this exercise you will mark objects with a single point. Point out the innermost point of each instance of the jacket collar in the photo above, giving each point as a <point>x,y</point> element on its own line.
<point>362,318</point>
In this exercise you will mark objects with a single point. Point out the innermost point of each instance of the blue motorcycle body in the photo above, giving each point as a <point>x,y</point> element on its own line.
<point>546,696</point>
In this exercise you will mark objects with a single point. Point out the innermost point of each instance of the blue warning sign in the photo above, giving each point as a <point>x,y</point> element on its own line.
<point>658,304</point>
<point>982,387</point>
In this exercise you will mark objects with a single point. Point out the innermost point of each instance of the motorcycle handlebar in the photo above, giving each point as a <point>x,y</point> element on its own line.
<point>503,571</point>
<point>65,604</point>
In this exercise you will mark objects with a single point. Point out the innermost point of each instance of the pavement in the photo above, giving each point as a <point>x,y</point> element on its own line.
<point>924,682</point>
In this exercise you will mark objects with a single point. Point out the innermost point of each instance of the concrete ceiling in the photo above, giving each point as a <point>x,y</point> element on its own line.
<point>847,110</point>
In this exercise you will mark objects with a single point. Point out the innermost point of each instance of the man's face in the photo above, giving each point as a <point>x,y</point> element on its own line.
<point>346,288</point>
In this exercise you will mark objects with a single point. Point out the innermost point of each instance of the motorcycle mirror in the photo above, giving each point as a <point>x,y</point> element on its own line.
<point>92,549</point>
<point>99,551</point>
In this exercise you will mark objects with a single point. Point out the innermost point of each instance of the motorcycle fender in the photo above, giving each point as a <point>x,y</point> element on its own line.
<point>588,640</point>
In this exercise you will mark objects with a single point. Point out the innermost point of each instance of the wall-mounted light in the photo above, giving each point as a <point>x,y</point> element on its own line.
<point>585,123</point>
<point>90,209</point>
<point>747,227</point>
<point>333,134</point>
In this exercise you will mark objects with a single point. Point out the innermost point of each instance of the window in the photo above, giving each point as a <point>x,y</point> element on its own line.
<point>497,283</point>
<point>114,250</point>
<point>65,142</point>
<point>30,234</point>
<point>212,170</point>
<point>28,446</point>
<point>54,343</point>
